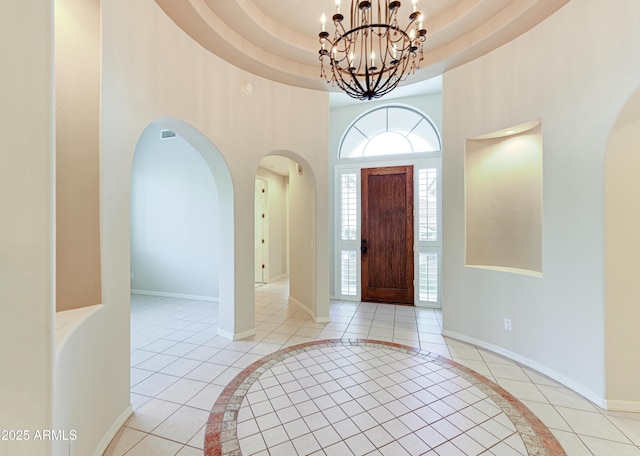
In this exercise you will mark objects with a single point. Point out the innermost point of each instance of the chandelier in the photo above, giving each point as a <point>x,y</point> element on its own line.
<point>374,54</point>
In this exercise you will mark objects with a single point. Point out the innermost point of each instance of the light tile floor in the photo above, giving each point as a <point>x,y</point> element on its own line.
<point>179,366</point>
<point>357,396</point>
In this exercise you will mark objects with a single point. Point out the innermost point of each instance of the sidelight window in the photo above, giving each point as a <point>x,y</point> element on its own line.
<point>349,216</point>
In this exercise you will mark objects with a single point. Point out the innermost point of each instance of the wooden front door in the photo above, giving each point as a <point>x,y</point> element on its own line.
<point>387,234</point>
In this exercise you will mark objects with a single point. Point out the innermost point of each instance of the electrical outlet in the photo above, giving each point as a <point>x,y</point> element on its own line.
<point>507,324</point>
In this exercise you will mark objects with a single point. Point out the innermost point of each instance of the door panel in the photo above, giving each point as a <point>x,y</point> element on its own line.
<point>387,234</point>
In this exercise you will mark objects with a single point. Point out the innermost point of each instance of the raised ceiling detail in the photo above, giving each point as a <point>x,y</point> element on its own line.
<point>278,40</point>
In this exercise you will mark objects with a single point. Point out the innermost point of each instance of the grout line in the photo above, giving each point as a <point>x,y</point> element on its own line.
<point>271,304</point>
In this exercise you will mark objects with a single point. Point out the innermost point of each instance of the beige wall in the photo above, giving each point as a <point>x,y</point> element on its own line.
<point>576,82</point>
<point>90,355</point>
<point>77,153</point>
<point>152,69</point>
<point>622,247</point>
<point>27,223</point>
<point>303,242</point>
<point>503,201</point>
<point>277,229</point>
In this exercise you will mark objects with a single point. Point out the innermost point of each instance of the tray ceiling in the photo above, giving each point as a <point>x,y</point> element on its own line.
<point>278,39</point>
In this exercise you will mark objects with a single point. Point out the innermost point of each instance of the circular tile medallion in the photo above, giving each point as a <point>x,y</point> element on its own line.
<point>359,396</point>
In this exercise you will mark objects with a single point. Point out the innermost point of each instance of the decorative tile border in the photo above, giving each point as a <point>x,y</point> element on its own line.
<point>221,432</point>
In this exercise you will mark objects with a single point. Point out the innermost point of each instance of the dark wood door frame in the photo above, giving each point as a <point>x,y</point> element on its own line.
<point>387,235</point>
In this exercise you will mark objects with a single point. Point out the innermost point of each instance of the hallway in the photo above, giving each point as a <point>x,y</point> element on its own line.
<point>180,367</point>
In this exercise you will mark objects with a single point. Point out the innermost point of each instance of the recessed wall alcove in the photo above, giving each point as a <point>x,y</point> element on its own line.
<point>622,248</point>
<point>503,199</point>
<point>77,139</point>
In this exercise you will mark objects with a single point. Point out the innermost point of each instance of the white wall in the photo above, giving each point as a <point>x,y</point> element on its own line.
<point>576,80</point>
<point>342,117</point>
<point>277,230</point>
<point>175,219</point>
<point>27,263</point>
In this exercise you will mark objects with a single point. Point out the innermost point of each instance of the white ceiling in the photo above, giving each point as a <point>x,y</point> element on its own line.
<point>278,39</point>
<point>276,164</point>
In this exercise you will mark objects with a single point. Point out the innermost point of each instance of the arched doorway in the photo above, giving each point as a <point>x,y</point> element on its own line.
<point>292,229</point>
<point>272,219</point>
<point>214,273</point>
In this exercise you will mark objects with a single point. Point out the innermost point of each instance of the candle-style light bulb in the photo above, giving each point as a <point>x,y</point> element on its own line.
<point>338,6</point>
<point>415,5</point>
<point>323,21</point>
<point>373,59</point>
<point>394,52</point>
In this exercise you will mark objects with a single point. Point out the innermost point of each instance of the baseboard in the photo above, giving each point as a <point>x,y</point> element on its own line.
<point>276,278</point>
<point>572,385</point>
<point>236,336</point>
<point>113,430</point>
<point>298,304</point>
<point>623,406</point>
<point>163,294</point>
<point>427,305</point>
<point>309,312</point>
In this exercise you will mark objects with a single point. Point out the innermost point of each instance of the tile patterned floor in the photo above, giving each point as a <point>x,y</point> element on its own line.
<point>359,396</point>
<point>180,367</point>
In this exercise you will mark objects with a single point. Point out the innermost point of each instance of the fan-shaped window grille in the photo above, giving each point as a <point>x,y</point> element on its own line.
<point>390,130</point>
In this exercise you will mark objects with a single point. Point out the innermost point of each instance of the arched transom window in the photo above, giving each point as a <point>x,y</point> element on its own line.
<point>390,130</point>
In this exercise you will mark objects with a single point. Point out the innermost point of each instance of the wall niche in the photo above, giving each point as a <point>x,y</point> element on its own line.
<point>503,199</point>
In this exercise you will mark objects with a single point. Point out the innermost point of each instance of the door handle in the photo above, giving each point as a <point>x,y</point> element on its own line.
<point>363,247</point>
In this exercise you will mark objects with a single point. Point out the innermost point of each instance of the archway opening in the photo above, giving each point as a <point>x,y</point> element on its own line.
<point>182,219</point>
<point>288,228</point>
<point>272,219</point>
<point>174,219</point>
